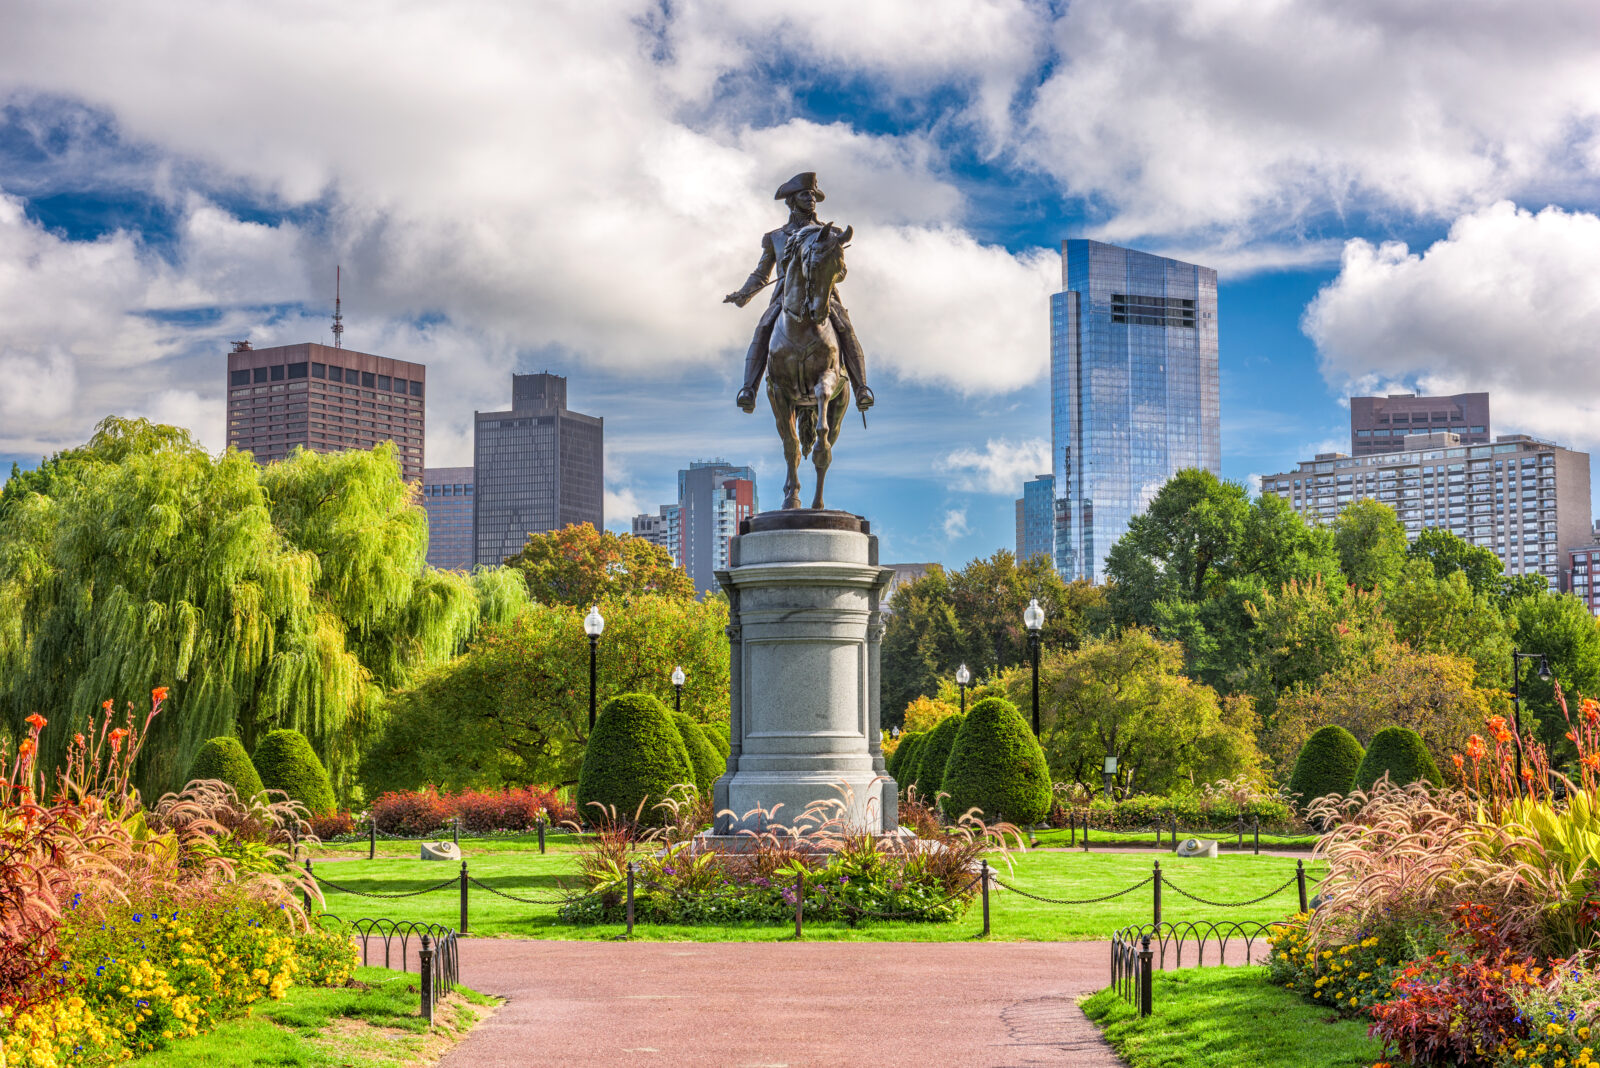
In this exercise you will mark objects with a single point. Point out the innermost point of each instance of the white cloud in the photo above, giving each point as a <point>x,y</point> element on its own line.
<point>1245,116</point>
<point>1001,467</point>
<point>1507,303</point>
<point>955,523</point>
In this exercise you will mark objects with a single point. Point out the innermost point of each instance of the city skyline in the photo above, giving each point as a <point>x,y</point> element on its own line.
<point>1356,210</point>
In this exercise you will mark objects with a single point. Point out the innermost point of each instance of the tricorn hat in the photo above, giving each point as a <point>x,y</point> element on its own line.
<point>803,180</point>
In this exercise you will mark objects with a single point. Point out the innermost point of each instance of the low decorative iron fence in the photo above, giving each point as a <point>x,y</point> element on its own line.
<point>1141,949</point>
<point>1169,832</point>
<point>437,957</point>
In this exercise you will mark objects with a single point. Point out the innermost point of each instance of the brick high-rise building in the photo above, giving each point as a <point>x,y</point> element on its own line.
<point>536,468</point>
<point>324,399</point>
<point>1524,499</point>
<point>1381,424</point>
<point>447,498</point>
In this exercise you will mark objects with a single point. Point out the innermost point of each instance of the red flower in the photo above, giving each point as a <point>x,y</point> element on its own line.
<point>1457,758</point>
<point>116,739</point>
<point>36,721</point>
<point>158,694</point>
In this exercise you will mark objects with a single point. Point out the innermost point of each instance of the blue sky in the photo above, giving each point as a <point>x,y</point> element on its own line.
<point>1394,201</point>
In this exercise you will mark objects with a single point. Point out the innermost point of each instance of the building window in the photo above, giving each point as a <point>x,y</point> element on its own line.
<point>367,378</point>
<point>260,374</point>
<point>383,383</point>
<point>416,388</point>
<point>277,372</point>
<point>297,370</point>
<point>319,370</point>
<point>239,378</point>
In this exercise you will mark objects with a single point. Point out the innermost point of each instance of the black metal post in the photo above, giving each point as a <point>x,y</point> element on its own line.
<point>1072,829</point>
<point>984,874</point>
<point>1300,878</point>
<point>1033,651</point>
<point>963,688</point>
<point>630,898</point>
<point>1086,832</point>
<point>1146,959</point>
<point>677,697</point>
<point>1516,707</point>
<point>1257,820</point>
<point>1156,894</point>
<point>456,833</point>
<point>372,838</point>
<point>310,879</point>
<point>463,928</point>
<point>541,833</point>
<point>799,902</point>
<point>594,648</point>
<point>425,973</point>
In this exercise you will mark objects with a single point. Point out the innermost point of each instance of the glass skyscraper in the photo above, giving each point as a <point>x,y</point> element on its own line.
<point>1133,391</point>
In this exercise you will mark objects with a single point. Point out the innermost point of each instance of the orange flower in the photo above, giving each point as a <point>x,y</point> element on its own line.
<point>77,739</point>
<point>1457,758</point>
<point>1573,738</point>
<point>26,749</point>
<point>1475,748</point>
<point>36,721</point>
<point>1503,736</point>
<point>158,694</point>
<point>1592,761</point>
<point>106,704</point>
<point>116,739</point>
<point>1497,724</point>
<point>1591,710</point>
<point>1527,774</point>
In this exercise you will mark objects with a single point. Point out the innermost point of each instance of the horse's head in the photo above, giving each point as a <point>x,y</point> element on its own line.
<point>822,262</point>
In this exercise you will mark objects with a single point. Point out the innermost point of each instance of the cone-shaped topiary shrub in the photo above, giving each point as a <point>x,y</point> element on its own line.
<point>708,766</point>
<point>935,754</point>
<point>1400,752</point>
<point>903,761</point>
<point>997,767</point>
<point>285,761</point>
<point>225,759</point>
<point>1326,765</point>
<point>719,734</point>
<point>635,754</point>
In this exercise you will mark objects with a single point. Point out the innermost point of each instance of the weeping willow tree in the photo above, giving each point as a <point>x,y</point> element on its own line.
<point>294,596</point>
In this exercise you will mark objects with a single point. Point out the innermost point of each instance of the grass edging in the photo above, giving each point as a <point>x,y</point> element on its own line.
<point>373,1023</point>
<point>1217,1017</point>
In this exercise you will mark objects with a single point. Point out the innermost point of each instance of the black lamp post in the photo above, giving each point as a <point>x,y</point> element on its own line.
<point>593,624</point>
<point>1033,619</point>
<point>677,688</point>
<point>1516,697</point>
<point>963,678</point>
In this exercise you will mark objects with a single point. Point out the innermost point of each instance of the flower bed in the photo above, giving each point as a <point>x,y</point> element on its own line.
<point>417,813</point>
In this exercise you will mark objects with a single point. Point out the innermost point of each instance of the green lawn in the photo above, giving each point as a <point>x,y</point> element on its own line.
<point>476,845</point>
<point>1060,837</point>
<point>1049,874</point>
<point>1229,1018</point>
<point>375,1027</point>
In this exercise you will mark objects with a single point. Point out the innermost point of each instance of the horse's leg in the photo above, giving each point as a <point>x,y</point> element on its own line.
<point>783,411</point>
<point>827,432</point>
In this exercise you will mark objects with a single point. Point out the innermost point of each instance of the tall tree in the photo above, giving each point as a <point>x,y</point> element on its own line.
<point>290,597</point>
<point>1308,629</point>
<point>1371,543</point>
<point>1178,547</point>
<point>579,565</point>
<point>1446,614</point>
<point>1449,553</point>
<point>1560,627</point>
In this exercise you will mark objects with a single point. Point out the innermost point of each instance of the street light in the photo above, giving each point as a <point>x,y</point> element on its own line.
<point>677,688</point>
<point>1516,697</point>
<point>963,677</point>
<point>593,624</point>
<point>1111,773</point>
<point>1033,619</point>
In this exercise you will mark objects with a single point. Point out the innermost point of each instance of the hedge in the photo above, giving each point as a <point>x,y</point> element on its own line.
<point>285,761</point>
<point>1326,765</point>
<point>935,754</point>
<point>1400,752</point>
<point>903,761</point>
<point>718,734</point>
<point>997,767</point>
<point>225,759</point>
<point>634,757</point>
<point>708,766</point>
<point>1194,812</point>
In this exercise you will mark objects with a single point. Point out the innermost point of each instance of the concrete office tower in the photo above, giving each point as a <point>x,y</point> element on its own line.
<point>447,498</point>
<point>1036,519</point>
<point>1133,391</point>
<point>536,468</point>
<point>1381,424</point>
<point>324,399</point>
<point>714,496</point>
<point>1524,499</point>
<point>661,529</point>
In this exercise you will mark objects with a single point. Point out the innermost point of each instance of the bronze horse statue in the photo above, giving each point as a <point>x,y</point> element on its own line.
<point>805,382</point>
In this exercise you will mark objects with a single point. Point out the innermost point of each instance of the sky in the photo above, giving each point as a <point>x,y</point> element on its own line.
<point>1397,198</point>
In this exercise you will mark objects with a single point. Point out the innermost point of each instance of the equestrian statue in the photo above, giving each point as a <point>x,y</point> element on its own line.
<point>804,341</point>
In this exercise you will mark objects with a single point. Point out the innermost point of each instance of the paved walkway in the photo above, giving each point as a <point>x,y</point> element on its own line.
<point>785,1004</point>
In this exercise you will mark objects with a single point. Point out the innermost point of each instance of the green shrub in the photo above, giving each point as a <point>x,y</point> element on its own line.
<point>634,755</point>
<point>708,766</point>
<point>285,761</point>
<point>1193,812</point>
<point>997,767</point>
<point>719,735</point>
<point>225,759</point>
<point>935,754</point>
<point>903,761</point>
<point>1326,765</point>
<point>1400,752</point>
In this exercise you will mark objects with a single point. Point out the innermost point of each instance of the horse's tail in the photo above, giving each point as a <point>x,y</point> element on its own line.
<point>808,431</point>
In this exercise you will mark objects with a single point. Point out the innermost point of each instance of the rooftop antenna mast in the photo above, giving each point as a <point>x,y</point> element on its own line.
<point>338,314</point>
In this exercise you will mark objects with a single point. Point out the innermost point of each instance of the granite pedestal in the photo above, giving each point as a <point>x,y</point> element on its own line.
<point>804,630</point>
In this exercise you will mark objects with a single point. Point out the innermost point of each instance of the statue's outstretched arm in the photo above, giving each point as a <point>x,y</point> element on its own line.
<point>758,277</point>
